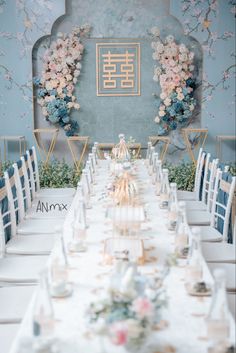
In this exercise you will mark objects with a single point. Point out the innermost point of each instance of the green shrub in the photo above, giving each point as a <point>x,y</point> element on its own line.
<point>58,175</point>
<point>4,166</point>
<point>183,175</point>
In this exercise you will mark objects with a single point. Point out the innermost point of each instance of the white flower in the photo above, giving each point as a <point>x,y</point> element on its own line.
<point>44,111</point>
<point>162,113</point>
<point>155,56</point>
<point>180,96</point>
<point>191,68</point>
<point>159,47</point>
<point>182,48</point>
<point>167,102</point>
<point>40,101</point>
<point>155,78</point>
<point>157,71</point>
<point>69,60</point>
<point>48,86</point>
<point>74,80</point>
<point>170,39</point>
<point>191,107</point>
<point>59,90</point>
<point>70,105</point>
<point>191,55</point>
<point>69,77</point>
<point>76,73</point>
<point>155,31</point>
<point>76,106</point>
<point>157,119</point>
<point>163,95</point>
<point>183,57</point>
<point>78,66</point>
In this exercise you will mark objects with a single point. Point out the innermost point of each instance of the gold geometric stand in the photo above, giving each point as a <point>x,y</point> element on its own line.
<point>19,139</point>
<point>135,147</point>
<point>200,135</point>
<point>166,141</point>
<point>103,147</point>
<point>219,140</point>
<point>71,140</point>
<point>43,151</point>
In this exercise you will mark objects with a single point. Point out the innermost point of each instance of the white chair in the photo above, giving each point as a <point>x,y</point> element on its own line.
<point>206,218</point>
<point>18,244</point>
<point>16,205</point>
<point>14,302</point>
<point>230,272</point>
<point>7,335</point>
<point>232,303</point>
<point>50,207</point>
<point>194,195</point>
<point>219,253</point>
<point>208,186</point>
<point>21,270</point>
<point>34,176</point>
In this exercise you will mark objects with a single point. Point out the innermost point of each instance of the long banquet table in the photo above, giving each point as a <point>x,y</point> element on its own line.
<point>183,320</point>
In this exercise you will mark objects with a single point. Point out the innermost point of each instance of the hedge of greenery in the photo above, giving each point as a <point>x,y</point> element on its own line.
<point>59,174</point>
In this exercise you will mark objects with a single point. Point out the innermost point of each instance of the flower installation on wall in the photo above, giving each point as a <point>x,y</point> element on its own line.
<point>177,82</point>
<point>61,70</point>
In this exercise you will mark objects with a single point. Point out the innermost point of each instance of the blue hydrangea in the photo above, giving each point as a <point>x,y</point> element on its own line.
<point>42,92</point>
<point>36,81</point>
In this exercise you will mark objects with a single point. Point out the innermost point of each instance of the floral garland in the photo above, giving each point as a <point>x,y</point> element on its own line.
<point>60,73</point>
<point>175,75</point>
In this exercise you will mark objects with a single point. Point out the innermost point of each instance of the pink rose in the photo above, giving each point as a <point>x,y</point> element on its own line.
<point>119,333</point>
<point>70,88</point>
<point>176,79</point>
<point>52,66</point>
<point>143,307</point>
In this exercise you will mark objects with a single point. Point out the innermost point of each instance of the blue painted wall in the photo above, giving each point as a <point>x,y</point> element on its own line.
<point>25,21</point>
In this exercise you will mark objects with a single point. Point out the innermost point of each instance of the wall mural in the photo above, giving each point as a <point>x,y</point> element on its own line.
<point>211,22</point>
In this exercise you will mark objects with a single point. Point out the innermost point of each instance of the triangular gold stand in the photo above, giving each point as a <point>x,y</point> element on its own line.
<point>200,137</point>
<point>45,152</point>
<point>135,147</point>
<point>71,141</point>
<point>165,140</point>
<point>103,147</point>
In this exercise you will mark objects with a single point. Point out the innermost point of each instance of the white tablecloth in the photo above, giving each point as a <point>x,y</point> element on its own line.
<point>184,316</point>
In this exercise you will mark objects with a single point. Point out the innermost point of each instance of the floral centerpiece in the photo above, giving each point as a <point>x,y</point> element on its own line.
<point>61,70</point>
<point>177,82</point>
<point>130,310</point>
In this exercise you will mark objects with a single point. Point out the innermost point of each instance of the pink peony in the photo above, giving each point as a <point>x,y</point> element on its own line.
<point>52,66</point>
<point>176,79</point>
<point>70,88</point>
<point>143,307</point>
<point>119,333</point>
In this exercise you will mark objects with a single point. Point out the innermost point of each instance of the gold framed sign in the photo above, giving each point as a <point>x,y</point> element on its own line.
<point>118,69</point>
